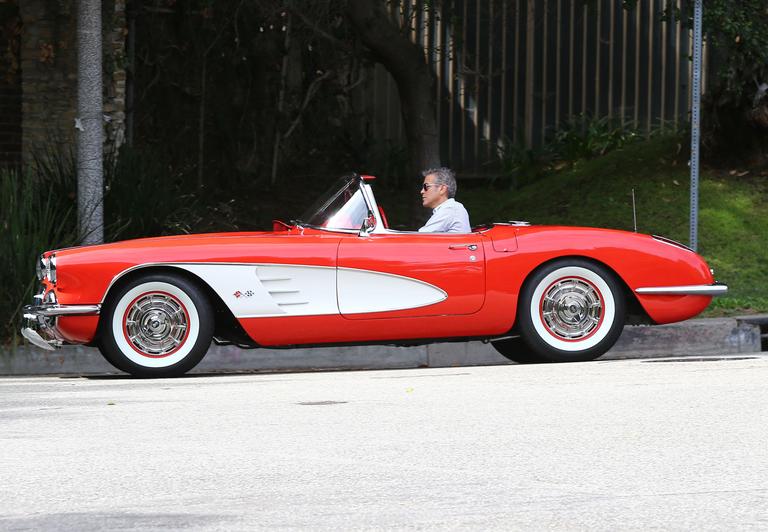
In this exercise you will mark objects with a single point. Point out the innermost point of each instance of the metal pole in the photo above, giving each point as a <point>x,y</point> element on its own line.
<point>696,122</point>
<point>89,124</point>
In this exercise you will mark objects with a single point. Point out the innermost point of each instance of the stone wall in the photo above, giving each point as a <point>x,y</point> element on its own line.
<point>115,33</point>
<point>10,84</point>
<point>10,124</point>
<point>49,74</point>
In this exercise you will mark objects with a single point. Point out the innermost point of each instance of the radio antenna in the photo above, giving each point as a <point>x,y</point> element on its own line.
<point>634,210</point>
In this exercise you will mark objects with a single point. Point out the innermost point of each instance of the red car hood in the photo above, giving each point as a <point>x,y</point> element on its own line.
<point>173,240</point>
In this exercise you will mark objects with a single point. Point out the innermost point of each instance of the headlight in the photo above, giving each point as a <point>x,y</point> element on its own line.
<point>52,269</point>
<point>46,268</point>
<point>41,267</point>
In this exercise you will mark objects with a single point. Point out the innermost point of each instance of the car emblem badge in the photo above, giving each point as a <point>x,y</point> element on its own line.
<point>238,294</point>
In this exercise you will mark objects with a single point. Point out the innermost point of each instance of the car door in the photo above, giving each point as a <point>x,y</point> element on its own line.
<point>410,274</point>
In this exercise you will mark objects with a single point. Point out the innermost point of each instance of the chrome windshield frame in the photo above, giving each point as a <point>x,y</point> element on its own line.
<point>319,209</point>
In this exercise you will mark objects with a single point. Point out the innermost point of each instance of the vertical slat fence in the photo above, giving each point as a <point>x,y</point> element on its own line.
<point>514,71</point>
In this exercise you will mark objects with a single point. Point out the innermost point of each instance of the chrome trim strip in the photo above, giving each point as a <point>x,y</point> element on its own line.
<point>61,310</point>
<point>670,242</point>
<point>177,264</point>
<point>717,289</point>
<point>373,206</point>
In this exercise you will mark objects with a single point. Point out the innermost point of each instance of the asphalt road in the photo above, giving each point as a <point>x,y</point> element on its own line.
<point>611,445</point>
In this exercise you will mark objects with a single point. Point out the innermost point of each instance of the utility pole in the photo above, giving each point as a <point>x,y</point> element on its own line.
<point>696,122</point>
<point>89,124</point>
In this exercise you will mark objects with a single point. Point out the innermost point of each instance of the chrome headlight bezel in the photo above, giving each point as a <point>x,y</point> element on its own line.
<point>41,267</point>
<point>45,268</point>
<point>52,268</point>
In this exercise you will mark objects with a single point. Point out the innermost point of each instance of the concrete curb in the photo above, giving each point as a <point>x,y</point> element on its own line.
<point>702,337</point>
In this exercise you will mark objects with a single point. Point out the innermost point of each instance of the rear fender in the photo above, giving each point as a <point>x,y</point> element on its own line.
<point>636,313</point>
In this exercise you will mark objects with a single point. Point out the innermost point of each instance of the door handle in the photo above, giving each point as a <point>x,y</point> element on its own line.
<point>470,247</point>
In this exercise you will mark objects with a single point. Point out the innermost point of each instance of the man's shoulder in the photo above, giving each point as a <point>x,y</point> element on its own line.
<point>458,205</point>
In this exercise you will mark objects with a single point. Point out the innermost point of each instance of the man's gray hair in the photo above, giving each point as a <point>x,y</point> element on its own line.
<point>443,176</point>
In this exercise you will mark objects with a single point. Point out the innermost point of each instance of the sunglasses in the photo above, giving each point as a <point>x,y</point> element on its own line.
<point>426,186</point>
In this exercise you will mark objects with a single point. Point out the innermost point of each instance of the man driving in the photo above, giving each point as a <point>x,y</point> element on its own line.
<point>437,193</point>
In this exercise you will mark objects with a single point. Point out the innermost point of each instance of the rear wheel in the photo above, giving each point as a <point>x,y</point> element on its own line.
<point>158,325</point>
<point>571,310</point>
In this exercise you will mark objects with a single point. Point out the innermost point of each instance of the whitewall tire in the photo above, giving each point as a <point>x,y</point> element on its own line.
<point>571,310</point>
<point>158,325</point>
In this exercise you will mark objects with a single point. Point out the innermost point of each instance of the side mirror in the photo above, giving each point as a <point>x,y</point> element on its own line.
<point>369,224</point>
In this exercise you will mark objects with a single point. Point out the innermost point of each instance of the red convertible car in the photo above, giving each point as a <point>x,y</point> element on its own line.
<point>339,275</point>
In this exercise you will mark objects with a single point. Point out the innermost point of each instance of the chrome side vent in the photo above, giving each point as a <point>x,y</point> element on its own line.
<point>281,289</point>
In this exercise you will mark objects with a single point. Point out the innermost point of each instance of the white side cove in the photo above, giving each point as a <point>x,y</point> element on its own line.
<point>269,290</point>
<point>366,291</point>
<point>261,290</point>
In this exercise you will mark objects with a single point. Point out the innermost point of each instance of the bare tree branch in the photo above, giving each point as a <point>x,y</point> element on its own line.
<point>313,87</point>
<point>315,28</point>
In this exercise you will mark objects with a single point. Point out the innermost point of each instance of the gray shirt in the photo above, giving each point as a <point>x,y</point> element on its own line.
<point>448,217</point>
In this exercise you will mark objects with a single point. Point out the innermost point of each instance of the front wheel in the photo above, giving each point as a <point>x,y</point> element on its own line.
<point>158,325</point>
<point>571,310</point>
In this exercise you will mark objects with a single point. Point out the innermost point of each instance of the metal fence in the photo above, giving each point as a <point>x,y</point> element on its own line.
<point>514,71</point>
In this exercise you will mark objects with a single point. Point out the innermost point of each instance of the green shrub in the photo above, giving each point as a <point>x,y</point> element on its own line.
<point>38,212</point>
<point>141,196</point>
<point>578,139</point>
<point>35,215</point>
<point>144,198</point>
<point>583,137</point>
<point>519,164</point>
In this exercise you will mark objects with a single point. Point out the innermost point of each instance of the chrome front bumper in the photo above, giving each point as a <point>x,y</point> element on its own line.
<point>715,289</point>
<point>39,322</point>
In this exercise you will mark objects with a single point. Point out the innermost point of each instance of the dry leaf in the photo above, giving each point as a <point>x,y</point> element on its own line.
<point>47,53</point>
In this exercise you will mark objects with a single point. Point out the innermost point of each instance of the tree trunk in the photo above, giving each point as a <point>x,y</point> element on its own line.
<point>415,84</point>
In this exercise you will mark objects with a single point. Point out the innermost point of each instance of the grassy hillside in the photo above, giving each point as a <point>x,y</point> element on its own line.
<point>733,220</point>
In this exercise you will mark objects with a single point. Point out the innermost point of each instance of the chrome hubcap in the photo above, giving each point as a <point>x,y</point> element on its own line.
<point>571,308</point>
<point>156,324</point>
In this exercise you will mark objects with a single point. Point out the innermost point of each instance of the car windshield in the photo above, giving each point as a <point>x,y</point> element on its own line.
<point>341,207</point>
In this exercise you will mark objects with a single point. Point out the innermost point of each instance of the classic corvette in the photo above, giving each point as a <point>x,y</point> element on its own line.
<point>340,275</point>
